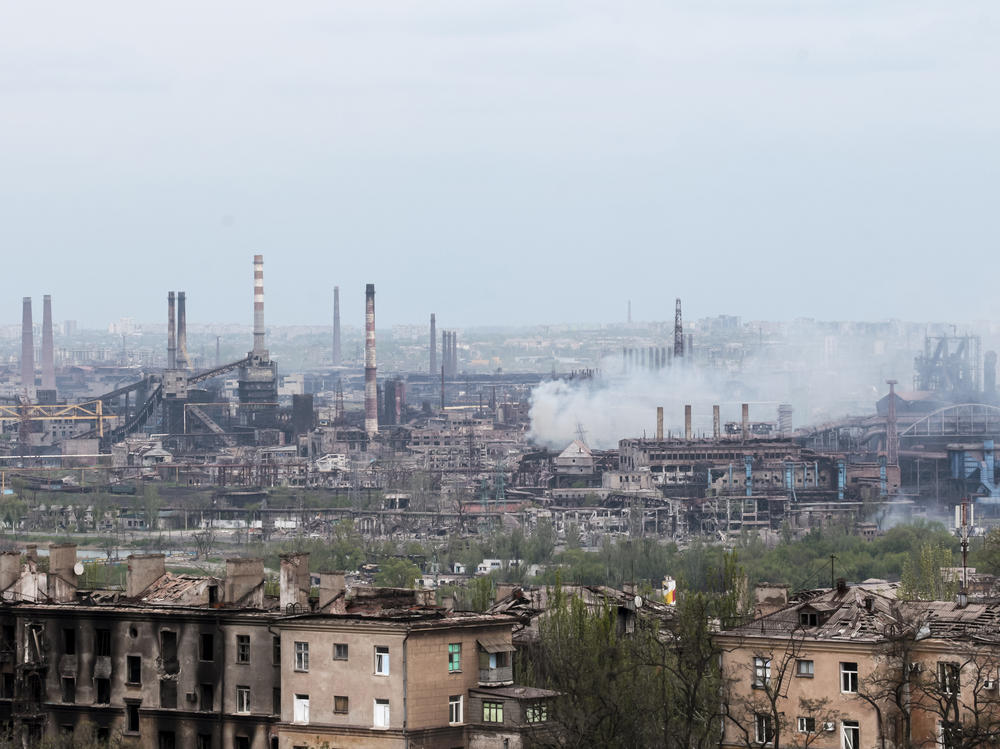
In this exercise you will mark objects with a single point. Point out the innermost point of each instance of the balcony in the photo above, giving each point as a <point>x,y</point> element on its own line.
<point>496,677</point>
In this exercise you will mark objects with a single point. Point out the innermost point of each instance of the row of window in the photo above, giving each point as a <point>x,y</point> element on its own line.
<point>805,669</point>
<point>850,731</point>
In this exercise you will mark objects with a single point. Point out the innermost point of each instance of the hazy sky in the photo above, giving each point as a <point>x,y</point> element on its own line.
<point>501,162</point>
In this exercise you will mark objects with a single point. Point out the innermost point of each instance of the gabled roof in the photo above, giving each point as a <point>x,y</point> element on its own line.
<point>576,449</point>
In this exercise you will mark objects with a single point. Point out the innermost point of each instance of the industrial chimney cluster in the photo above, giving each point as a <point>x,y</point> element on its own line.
<point>28,352</point>
<point>659,357</point>
<point>449,353</point>
<point>177,353</point>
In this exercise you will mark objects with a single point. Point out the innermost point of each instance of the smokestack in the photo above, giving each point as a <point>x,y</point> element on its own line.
<point>716,423</point>
<point>678,331</point>
<point>371,391</point>
<point>892,438</point>
<point>454,354</point>
<point>258,304</point>
<point>171,333</point>
<point>687,423</point>
<point>990,373</point>
<point>182,346</point>
<point>27,349</point>
<point>659,423</point>
<point>746,421</point>
<point>48,346</point>
<point>336,327</point>
<point>434,354</point>
<point>442,387</point>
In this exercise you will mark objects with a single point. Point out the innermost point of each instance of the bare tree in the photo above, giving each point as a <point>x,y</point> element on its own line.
<point>759,716</point>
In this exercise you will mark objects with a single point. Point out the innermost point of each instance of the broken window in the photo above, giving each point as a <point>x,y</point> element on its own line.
<point>207,651</point>
<point>102,642</point>
<point>132,717</point>
<point>206,697</point>
<point>103,691</point>
<point>168,693</point>
<point>69,641</point>
<point>68,689</point>
<point>242,648</point>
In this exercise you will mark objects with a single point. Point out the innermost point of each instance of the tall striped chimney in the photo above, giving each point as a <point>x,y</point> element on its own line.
<point>48,346</point>
<point>336,326</point>
<point>371,392</point>
<point>27,349</point>
<point>434,358</point>
<point>182,347</point>
<point>258,304</point>
<point>171,332</point>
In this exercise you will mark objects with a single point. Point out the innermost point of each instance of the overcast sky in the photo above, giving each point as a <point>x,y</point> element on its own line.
<point>501,162</point>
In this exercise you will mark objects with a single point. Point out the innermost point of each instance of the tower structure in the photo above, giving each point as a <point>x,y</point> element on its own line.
<point>337,360</point>
<point>258,380</point>
<point>371,391</point>
<point>678,331</point>
<point>27,349</point>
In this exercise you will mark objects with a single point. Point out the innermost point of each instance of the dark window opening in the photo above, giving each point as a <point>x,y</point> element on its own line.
<point>133,669</point>
<point>168,645</point>
<point>167,740</point>
<point>204,741</point>
<point>276,700</point>
<point>69,641</point>
<point>132,717</point>
<point>207,697</point>
<point>7,686</point>
<point>213,594</point>
<point>207,647</point>
<point>242,742</point>
<point>102,642</point>
<point>68,690</point>
<point>103,691</point>
<point>168,693</point>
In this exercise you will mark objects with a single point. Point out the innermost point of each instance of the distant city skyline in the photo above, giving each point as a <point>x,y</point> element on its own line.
<point>501,163</point>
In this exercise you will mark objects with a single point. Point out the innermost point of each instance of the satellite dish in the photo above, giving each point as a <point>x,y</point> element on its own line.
<point>638,602</point>
<point>78,568</point>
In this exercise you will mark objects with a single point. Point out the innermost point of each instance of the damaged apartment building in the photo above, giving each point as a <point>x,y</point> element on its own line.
<point>177,660</point>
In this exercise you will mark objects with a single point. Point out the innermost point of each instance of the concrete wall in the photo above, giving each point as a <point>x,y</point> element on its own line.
<point>353,678</point>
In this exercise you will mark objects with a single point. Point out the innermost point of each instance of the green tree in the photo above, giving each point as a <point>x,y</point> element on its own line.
<point>922,579</point>
<point>397,573</point>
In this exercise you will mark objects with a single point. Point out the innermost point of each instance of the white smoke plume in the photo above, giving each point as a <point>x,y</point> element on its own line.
<point>614,406</point>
